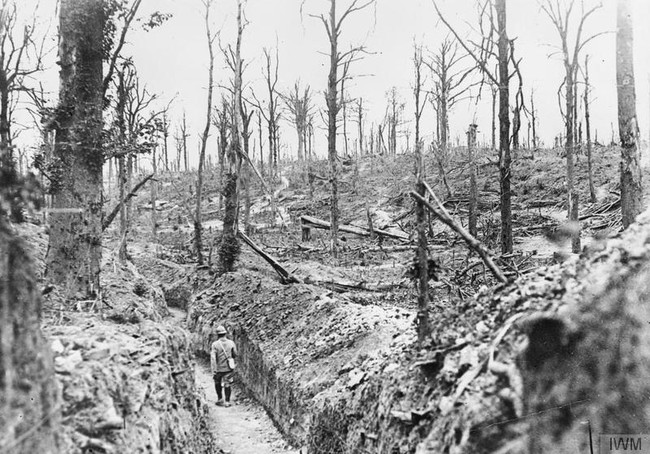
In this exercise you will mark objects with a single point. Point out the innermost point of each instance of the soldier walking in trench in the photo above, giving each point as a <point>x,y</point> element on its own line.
<point>222,362</point>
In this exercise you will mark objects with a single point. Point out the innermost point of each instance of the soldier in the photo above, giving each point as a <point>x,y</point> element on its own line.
<point>222,362</point>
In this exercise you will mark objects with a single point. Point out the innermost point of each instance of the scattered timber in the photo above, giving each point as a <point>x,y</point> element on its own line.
<point>310,222</point>
<point>442,214</point>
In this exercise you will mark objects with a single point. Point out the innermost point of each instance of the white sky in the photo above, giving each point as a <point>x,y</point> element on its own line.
<point>172,59</point>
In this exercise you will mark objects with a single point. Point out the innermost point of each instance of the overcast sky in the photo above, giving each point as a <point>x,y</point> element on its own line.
<point>173,59</point>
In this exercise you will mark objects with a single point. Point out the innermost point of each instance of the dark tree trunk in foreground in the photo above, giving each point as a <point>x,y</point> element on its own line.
<point>504,130</point>
<point>74,255</point>
<point>29,412</point>
<point>631,188</point>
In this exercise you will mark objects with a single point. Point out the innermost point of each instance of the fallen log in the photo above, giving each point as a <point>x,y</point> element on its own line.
<point>441,213</point>
<point>310,222</point>
<point>344,287</point>
<point>285,276</point>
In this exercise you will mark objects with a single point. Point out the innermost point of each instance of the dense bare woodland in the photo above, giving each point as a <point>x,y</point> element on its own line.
<point>455,262</point>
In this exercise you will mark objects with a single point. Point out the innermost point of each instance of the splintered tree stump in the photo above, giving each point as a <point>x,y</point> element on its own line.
<point>587,371</point>
<point>306,233</point>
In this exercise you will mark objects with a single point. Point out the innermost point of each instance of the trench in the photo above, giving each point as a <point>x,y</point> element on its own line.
<point>245,427</point>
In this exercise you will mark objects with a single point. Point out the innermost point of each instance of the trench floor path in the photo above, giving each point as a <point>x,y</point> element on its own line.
<point>243,428</point>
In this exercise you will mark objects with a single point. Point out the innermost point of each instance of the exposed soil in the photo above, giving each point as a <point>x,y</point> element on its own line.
<point>243,428</point>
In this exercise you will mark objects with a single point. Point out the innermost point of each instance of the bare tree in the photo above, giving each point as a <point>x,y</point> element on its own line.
<point>272,111</point>
<point>420,212</point>
<point>449,86</point>
<point>533,114</point>
<point>229,247</point>
<point>360,125</point>
<point>492,22</point>
<point>134,132</point>
<point>561,17</point>
<point>473,191</point>
<point>393,118</point>
<point>592,190</point>
<point>181,145</point>
<point>334,26</point>
<point>222,120</point>
<point>20,57</point>
<point>198,226</point>
<point>628,127</point>
<point>299,104</point>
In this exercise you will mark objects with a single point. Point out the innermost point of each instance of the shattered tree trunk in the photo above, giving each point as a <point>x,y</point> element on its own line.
<point>154,196</point>
<point>229,247</point>
<point>121,165</point>
<point>504,130</point>
<point>572,195</point>
<point>592,191</point>
<point>424,327</point>
<point>473,192</point>
<point>533,121</point>
<point>631,187</point>
<point>198,226</point>
<point>75,241</point>
<point>332,111</point>
<point>27,384</point>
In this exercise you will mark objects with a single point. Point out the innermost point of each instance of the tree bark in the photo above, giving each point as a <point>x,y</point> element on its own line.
<point>332,111</point>
<point>504,130</point>
<point>631,187</point>
<point>424,327</point>
<point>27,383</point>
<point>229,247</point>
<point>592,191</point>
<point>198,227</point>
<point>473,192</point>
<point>154,197</point>
<point>572,196</point>
<point>534,121</point>
<point>75,240</point>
